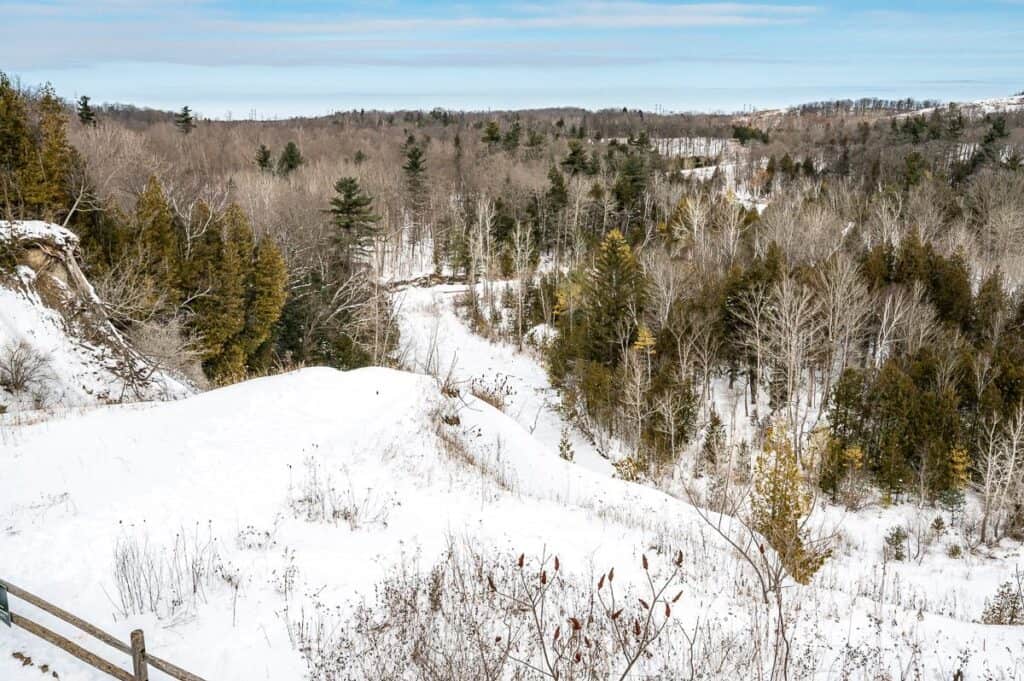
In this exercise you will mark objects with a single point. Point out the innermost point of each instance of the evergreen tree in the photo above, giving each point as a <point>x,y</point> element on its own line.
<point>86,116</point>
<point>264,159</point>
<point>632,182</point>
<point>415,169</point>
<point>184,121</point>
<point>613,295</point>
<point>44,179</point>
<point>354,221</point>
<point>157,239</point>
<point>714,443</point>
<point>576,161</point>
<point>510,142</point>
<point>557,194</point>
<point>265,299</point>
<point>15,146</point>
<point>220,315</point>
<point>779,505</point>
<point>492,135</point>
<point>290,159</point>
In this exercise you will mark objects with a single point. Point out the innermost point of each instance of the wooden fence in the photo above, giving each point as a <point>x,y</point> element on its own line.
<point>136,648</point>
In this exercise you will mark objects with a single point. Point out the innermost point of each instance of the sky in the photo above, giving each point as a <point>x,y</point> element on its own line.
<point>264,59</point>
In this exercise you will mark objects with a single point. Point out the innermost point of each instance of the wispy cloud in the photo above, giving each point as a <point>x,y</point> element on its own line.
<point>209,33</point>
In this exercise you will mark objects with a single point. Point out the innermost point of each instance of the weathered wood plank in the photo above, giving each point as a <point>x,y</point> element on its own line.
<point>71,648</point>
<point>139,656</point>
<point>172,670</point>
<point>61,614</point>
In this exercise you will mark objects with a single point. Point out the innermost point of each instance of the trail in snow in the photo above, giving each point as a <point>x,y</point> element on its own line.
<point>434,337</point>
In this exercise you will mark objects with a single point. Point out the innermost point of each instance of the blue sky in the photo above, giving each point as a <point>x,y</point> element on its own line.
<point>239,57</point>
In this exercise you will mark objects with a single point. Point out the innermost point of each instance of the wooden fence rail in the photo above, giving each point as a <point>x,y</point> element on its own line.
<point>136,649</point>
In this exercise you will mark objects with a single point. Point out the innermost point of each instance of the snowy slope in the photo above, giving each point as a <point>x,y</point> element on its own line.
<point>49,309</point>
<point>436,341</point>
<point>222,476</point>
<point>221,467</point>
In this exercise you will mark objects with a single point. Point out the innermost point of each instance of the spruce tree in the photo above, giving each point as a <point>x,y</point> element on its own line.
<point>557,194</point>
<point>510,142</point>
<point>631,183</point>
<point>157,239</point>
<point>492,135</point>
<point>86,116</point>
<point>184,121</point>
<point>264,159</point>
<point>354,221</point>
<point>290,159</point>
<point>415,169</point>
<point>47,159</point>
<point>613,294</point>
<point>576,161</point>
<point>220,315</point>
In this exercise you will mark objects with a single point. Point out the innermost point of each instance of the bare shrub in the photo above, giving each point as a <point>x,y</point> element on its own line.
<point>169,582</point>
<point>170,346</point>
<point>472,616</point>
<point>495,393</point>
<point>24,369</point>
<point>317,500</point>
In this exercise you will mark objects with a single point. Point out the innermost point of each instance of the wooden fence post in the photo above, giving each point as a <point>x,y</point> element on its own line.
<point>139,656</point>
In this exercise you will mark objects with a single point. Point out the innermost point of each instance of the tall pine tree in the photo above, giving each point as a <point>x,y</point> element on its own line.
<point>354,221</point>
<point>184,121</point>
<point>86,116</point>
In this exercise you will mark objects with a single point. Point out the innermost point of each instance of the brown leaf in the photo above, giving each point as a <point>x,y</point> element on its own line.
<point>558,632</point>
<point>678,596</point>
<point>543,577</point>
<point>636,628</point>
<point>679,559</point>
<point>600,583</point>
<point>644,604</point>
<point>611,574</point>
<point>668,610</point>
<point>576,626</point>
<point>577,657</point>
<point>615,615</point>
<point>556,564</point>
<point>522,559</point>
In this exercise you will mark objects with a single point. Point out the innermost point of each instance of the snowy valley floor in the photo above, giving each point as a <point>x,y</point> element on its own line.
<point>287,492</point>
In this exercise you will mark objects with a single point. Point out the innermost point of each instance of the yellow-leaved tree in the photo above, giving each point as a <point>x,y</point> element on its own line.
<point>780,506</point>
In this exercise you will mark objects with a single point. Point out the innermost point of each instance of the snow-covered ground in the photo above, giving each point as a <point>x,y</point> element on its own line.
<point>435,340</point>
<point>295,494</point>
<point>226,474</point>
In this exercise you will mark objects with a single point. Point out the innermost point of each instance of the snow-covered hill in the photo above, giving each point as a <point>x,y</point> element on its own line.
<point>235,525</point>
<point>55,333</point>
<point>228,477</point>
